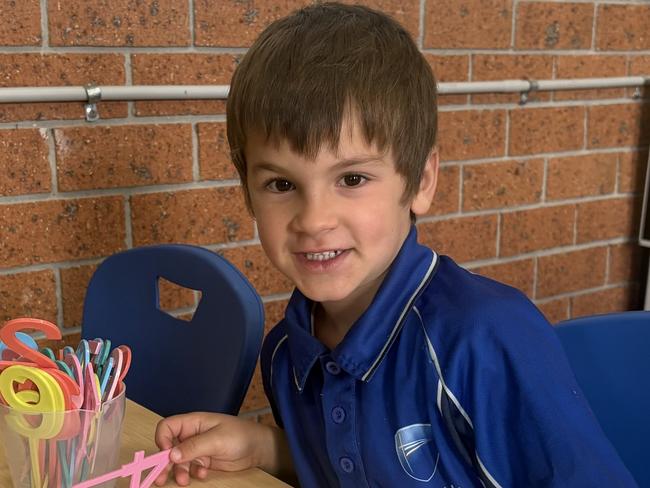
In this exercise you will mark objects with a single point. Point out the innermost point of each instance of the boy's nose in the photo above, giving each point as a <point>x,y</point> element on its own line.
<point>315,215</point>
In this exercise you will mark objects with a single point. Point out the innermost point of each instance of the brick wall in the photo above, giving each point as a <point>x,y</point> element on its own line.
<point>545,196</point>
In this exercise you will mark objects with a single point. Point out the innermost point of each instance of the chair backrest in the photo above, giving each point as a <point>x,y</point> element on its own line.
<point>203,365</point>
<point>610,356</point>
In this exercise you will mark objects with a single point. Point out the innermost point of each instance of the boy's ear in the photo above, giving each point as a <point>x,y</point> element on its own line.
<point>422,199</point>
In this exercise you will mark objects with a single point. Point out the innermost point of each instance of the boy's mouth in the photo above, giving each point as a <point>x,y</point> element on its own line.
<point>322,256</point>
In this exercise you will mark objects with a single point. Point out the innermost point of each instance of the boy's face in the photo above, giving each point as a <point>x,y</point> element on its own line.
<point>335,224</point>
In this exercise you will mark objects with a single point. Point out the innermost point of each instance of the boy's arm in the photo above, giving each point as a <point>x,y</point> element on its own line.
<point>278,461</point>
<point>211,441</point>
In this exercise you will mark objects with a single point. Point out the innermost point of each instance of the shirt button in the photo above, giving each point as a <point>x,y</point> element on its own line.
<point>332,367</point>
<point>346,464</point>
<point>338,415</point>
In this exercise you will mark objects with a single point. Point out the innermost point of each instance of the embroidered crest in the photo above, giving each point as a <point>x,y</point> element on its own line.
<point>416,451</point>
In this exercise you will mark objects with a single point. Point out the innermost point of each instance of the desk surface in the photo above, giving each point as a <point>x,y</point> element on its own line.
<point>137,435</point>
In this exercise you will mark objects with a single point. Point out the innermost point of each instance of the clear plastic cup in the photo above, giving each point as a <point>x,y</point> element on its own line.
<point>59,449</point>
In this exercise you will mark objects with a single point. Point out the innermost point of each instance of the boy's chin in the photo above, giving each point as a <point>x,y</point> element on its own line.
<point>324,296</point>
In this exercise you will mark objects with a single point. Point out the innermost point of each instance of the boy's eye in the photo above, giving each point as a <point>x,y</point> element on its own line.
<point>353,180</point>
<point>279,185</point>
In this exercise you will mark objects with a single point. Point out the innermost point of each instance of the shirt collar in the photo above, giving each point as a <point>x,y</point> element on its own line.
<point>370,337</point>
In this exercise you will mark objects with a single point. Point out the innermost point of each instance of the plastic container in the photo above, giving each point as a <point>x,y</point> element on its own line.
<point>59,449</point>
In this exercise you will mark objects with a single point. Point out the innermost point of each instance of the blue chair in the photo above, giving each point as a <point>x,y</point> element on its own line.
<point>610,356</point>
<point>177,367</point>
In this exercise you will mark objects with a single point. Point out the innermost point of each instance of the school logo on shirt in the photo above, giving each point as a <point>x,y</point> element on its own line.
<point>416,451</point>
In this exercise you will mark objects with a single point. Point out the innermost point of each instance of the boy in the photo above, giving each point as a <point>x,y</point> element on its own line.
<point>393,366</point>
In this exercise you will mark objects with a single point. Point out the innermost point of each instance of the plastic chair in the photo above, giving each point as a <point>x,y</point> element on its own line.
<point>610,356</point>
<point>177,367</point>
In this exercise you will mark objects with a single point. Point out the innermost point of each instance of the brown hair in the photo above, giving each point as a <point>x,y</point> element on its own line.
<point>307,71</point>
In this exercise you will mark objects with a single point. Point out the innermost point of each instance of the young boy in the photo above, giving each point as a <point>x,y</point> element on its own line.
<point>393,366</point>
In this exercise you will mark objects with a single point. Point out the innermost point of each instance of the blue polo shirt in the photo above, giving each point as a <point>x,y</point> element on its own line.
<point>448,379</point>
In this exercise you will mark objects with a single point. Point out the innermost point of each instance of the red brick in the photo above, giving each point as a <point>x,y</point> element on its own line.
<point>617,299</point>
<point>502,184</point>
<point>626,263</point>
<point>632,170</point>
<point>623,27</point>
<point>30,294</point>
<point>555,310</point>
<point>591,66</point>
<point>273,313</point>
<point>608,219</point>
<point>255,398</point>
<point>24,165</point>
<point>33,69</point>
<point>465,239</point>
<point>237,24</point>
<point>69,339</point>
<point>24,28</point>
<point>519,274</point>
<point>254,264</point>
<point>406,12</point>
<point>186,316</point>
<point>70,69</point>
<point>618,125</point>
<point>118,23</point>
<point>553,25</point>
<point>170,301</point>
<point>448,69</point>
<point>639,66</point>
<point>121,156</point>
<point>10,112</point>
<point>581,176</point>
<point>182,69</point>
<point>173,297</point>
<point>206,216</point>
<point>60,230</point>
<point>214,152</point>
<point>494,67</point>
<point>447,191</point>
<point>547,129</point>
<point>571,271</point>
<point>74,282</point>
<point>540,228</point>
<point>471,134</point>
<point>468,24</point>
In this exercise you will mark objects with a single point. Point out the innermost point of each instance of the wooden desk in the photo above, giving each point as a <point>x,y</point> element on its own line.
<point>137,435</point>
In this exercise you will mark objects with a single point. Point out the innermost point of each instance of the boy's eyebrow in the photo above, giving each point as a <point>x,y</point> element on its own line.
<point>264,165</point>
<point>343,163</point>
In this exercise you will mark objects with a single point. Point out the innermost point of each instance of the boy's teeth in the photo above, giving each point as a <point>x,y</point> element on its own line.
<point>322,256</point>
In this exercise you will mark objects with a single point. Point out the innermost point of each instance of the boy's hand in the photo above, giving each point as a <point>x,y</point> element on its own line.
<point>203,441</point>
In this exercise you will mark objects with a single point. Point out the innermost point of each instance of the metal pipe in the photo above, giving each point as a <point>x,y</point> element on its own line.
<point>113,93</point>
<point>522,86</point>
<point>200,92</point>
